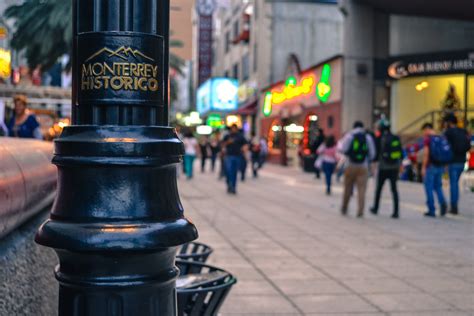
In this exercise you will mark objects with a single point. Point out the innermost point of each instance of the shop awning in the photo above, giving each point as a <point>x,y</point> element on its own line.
<point>249,108</point>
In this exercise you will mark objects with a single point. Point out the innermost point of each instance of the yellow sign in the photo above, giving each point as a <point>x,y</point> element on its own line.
<point>5,63</point>
<point>124,75</point>
<point>292,89</point>
<point>3,32</point>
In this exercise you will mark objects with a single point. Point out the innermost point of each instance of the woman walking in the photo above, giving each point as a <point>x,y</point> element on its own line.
<point>328,155</point>
<point>191,149</point>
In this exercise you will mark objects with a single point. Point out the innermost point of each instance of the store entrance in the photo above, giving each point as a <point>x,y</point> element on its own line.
<point>416,100</point>
<point>294,141</point>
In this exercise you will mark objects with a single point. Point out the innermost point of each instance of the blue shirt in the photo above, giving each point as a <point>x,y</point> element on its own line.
<point>25,130</point>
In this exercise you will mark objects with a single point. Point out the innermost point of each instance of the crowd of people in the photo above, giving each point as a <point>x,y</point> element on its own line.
<point>361,153</point>
<point>234,151</point>
<point>357,156</point>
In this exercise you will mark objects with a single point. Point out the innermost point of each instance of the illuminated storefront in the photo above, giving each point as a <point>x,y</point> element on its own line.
<point>248,107</point>
<point>5,64</point>
<point>216,99</point>
<point>425,87</point>
<point>294,109</point>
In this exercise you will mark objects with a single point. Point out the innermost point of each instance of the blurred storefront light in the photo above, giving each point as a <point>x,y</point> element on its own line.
<point>5,63</point>
<point>204,130</point>
<point>421,86</point>
<point>293,128</point>
<point>233,119</point>
<point>215,121</point>
<point>192,119</point>
<point>217,94</point>
<point>276,128</point>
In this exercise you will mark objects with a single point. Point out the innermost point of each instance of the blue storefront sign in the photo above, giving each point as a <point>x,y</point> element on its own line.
<point>217,94</point>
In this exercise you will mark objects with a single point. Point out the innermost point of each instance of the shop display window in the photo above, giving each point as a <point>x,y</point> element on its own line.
<point>274,136</point>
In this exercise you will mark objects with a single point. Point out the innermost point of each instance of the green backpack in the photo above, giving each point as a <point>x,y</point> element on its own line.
<point>391,151</point>
<point>359,150</point>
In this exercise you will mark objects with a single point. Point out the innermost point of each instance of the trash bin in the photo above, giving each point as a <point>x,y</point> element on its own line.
<point>194,251</point>
<point>308,163</point>
<point>203,289</point>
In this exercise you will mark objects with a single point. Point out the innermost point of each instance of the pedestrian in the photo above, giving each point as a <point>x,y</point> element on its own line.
<point>3,129</point>
<point>371,134</point>
<point>3,126</point>
<point>244,158</point>
<point>328,155</point>
<point>341,167</point>
<point>205,151</point>
<point>359,148</point>
<point>460,143</point>
<point>255,155</point>
<point>191,149</point>
<point>23,123</point>
<point>436,155</point>
<point>215,149</point>
<point>318,140</point>
<point>234,143</point>
<point>263,151</point>
<point>222,154</point>
<point>389,157</point>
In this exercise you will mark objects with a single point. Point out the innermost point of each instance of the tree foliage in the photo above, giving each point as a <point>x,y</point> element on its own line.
<point>43,31</point>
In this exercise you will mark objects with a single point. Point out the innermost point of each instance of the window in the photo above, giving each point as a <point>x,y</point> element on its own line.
<point>236,29</point>
<point>235,71</point>
<point>255,57</point>
<point>227,42</point>
<point>245,67</point>
<point>213,55</point>
<point>330,121</point>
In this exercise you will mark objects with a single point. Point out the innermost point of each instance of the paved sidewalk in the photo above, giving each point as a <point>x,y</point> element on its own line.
<point>294,254</point>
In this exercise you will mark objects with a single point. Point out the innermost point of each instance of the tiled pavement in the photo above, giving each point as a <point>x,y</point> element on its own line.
<point>294,254</point>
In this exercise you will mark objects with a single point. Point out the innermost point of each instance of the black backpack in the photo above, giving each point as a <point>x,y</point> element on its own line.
<point>461,143</point>
<point>358,150</point>
<point>391,150</point>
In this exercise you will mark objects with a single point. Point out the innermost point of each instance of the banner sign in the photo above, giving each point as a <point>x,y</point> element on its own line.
<point>204,48</point>
<point>425,65</point>
<point>120,69</point>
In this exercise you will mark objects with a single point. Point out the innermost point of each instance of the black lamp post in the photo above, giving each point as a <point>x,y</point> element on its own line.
<point>117,218</point>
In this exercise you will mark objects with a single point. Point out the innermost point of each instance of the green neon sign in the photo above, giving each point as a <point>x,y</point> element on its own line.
<point>267,104</point>
<point>291,81</point>
<point>323,89</point>
<point>215,121</point>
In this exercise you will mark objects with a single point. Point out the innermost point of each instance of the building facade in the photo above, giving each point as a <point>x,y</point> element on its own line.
<point>391,58</point>
<point>253,43</point>
<point>407,63</point>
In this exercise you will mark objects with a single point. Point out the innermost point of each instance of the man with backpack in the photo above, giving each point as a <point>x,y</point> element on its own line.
<point>389,157</point>
<point>437,154</point>
<point>359,148</point>
<point>460,143</point>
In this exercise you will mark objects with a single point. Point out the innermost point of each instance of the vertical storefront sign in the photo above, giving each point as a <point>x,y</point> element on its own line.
<point>204,48</point>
